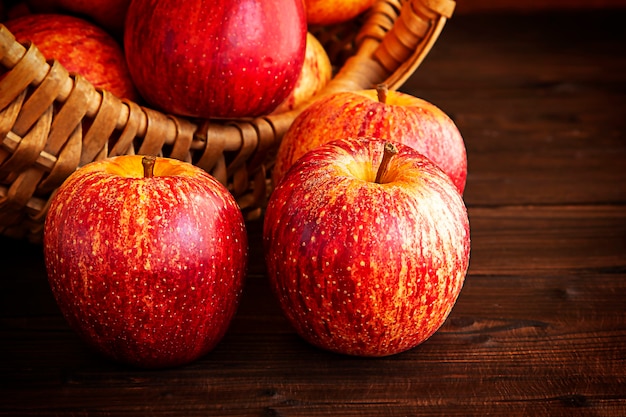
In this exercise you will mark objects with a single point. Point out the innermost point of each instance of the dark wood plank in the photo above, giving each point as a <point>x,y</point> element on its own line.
<point>541,109</point>
<point>566,239</point>
<point>533,6</point>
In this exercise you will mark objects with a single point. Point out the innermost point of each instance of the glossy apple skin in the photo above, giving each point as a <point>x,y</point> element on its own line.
<point>80,46</point>
<point>329,12</point>
<point>402,118</point>
<point>220,59</point>
<point>363,268</point>
<point>317,71</point>
<point>148,271</point>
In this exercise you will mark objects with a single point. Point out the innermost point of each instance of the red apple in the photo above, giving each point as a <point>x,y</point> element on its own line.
<point>390,115</point>
<point>317,71</point>
<point>364,264</point>
<point>218,59</point>
<point>328,12</point>
<point>80,46</point>
<point>147,267</point>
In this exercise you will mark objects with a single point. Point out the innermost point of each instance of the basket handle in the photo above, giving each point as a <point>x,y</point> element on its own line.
<point>411,38</point>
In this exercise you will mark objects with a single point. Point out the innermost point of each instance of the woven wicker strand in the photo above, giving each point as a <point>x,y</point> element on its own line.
<point>52,122</point>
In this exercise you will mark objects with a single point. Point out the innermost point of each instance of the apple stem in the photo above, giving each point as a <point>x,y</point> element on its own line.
<point>382,90</point>
<point>148,165</point>
<point>389,152</point>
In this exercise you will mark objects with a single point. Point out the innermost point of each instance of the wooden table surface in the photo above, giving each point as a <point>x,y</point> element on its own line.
<point>540,326</point>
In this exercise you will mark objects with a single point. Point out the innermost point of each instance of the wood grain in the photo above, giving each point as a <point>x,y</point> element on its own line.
<point>533,6</point>
<point>541,110</point>
<point>540,326</point>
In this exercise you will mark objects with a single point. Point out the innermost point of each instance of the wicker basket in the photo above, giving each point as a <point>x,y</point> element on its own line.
<point>52,122</point>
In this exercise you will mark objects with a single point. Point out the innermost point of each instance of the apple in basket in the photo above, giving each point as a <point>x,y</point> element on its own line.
<point>218,59</point>
<point>366,250</point>
<point>146,258</point>
<point>80,46</point>
<point>329,12</point>
<point>390,115</point>
<point>317,71</point>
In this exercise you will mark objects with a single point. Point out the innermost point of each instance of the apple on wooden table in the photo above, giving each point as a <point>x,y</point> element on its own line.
<point>218,59</point>
<point>80,46</point>
<point>367,245</point>
<point>146,258</point>
<point>381,113</point>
